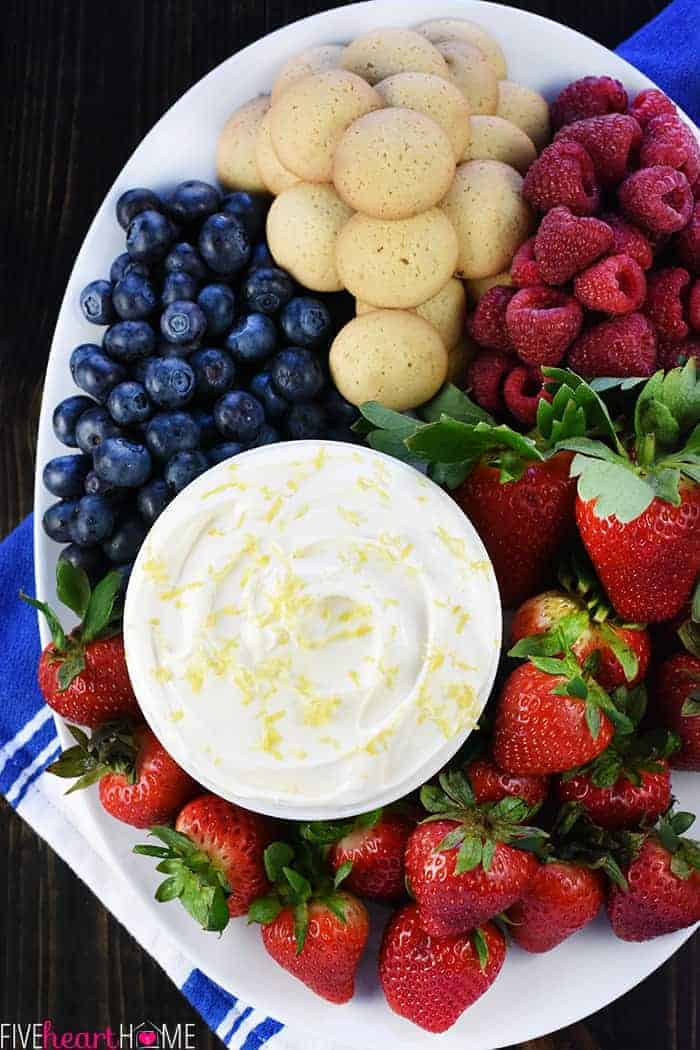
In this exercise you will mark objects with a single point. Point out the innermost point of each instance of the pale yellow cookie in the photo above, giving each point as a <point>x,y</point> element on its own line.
<point>446,311</point>
<point>383,52</point>
<point>434,96</point>
<point>393,163</point>
<point>439,29</point>
<point>313,60</point>
<point>396,263</point>
<point>390,356</point>
<point>473,74</point>
<point>302,228</point>
<point>458,359</point>
<point>276,177</point>
<point>493,138</point>
<point>525,108</point>
<point>309,118</point>
<point>236,166</point>
<point>476,287</point>
<point>486,208</point>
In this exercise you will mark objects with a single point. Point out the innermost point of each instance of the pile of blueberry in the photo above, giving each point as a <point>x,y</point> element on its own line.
<point>208,349</point>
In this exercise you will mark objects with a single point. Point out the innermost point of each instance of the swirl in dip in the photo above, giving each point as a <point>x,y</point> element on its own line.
<point>312,628</point>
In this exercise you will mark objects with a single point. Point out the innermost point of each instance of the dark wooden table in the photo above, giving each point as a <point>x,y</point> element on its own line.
<point>81,81</point>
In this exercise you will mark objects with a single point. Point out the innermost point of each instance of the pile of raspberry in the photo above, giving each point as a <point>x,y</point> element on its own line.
<point>609,285</point>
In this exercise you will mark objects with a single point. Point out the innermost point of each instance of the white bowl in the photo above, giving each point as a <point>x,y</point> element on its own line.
<point>534,994</point>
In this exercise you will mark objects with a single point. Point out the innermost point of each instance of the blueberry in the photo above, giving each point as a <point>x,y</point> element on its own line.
<point>182,322</point>
<point>224,243</point>
<point>171,432</point>
<point>250,208</point>
<point>227,449</point>
<point>138,369</point>
<point>183,468</point>
<point>128,403</point>
<point>266,435</point>
<point>57,519</point>
<point>127,341</point>
<point>122,462</point>
<point>208,434</point>
<point>124,571</point>
<point>238,415</point>
<point>306,321</point>
<point>65,416</point>
<point>134,297</point>
<point>178,286</point>
<point>93,427</point>
<point>184,258</point>
<point>214,371</point>
<point>90,559</point>
<point>124,543</point>
<point>252,339</point>
<point>96,302</point>
<point>96,374</point>
<point>152,499</point>
<point>306,419</point>
<point>134,201</point>
<point>267,289</point>
<point>192,201</point>
<point>261,257</point>
<point>64,475</point>
<point>95,486</point>
<point>342,433</point>
<point>339,410</point>
<point>296,373</point>
<point>263,388</point>
<point>172,350</point>
<point>150,237</point>
<point>169,381</point>
<point>218,304</point>
<point>92,522</point>
<point>123,264</point>
<point>80,354</point>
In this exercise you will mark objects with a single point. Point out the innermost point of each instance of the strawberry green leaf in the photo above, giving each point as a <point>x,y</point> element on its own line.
<point>593,719</point>
<point>336,904</point>
<point>614,487</point>
<point>72,587</point>
<point>453,402</point>
<point>368,820</point>
<point>58,636</point>
<point>577,687</point>
<point>450,441</point>
<point>391,444</point>
<point>680,867</point>
<point>151,851</point>
<point>342,873</point>
<point>98,615</point>
<point>70,668</point>
<point>550,665</point>
<point>469,855</point>
<point>175,840</point>
<point>205,901</point>
<point>383,418</point>
<point>449,475</point>
<point>681,822</point>
<point>624,655</point>
<point>301,925</point>
<point>691,706</point>
<point>481,948</point>
<point>434,800</point>
<point>264,910</point>
<point>169,890</point>
<point>452,838</point>
<point>665,482</point>
<point>277,856</point>
<point>487,854</point>
<point>695,607</point>
<point>602,384</point>
<point>457,787</point>
<point>300,885</point>
<point>592,415</point>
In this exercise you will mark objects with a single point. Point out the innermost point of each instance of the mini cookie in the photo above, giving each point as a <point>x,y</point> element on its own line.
<point>438,30</point>
<point>383,52</point>
<point>302,228</point>
<point>493,138</point>
<point>446,311</point>
<point>236,167</point>
<point>525,108</point>
<point>396,263</point>
<point>458,358</point>
<point>476,287</point>
<point>314,60</point>
<point>276,177</point>
<point>473,74</point>
<point>390,356</point>
<point>486,208</point>
<point>393,163</point>
<point>437,98</point>
<point>309,118</point>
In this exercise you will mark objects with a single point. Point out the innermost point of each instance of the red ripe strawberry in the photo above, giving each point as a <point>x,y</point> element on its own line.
<point>624,803</point>
<point>140,783</point>
<point>561,899</point>
<point>460,866</point>
<point>491,784</point>
<point>676,703</point>
<point>431,981</point>
<point>83,675</point>
<point>548,721</point>
<point>376,853</point>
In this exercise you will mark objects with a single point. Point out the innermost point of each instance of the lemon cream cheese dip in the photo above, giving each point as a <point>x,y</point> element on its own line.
<point>312,628</point>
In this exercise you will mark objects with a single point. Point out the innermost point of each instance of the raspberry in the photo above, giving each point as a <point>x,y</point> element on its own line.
<point>624,346</point>
<point>542,323</point>
<point>562,174</point>
<point>651,103</point>
<point>687,243</point>
<point>522,391</point>
<point>629,240</point>
<point>485,377</point>
<point>488,322</point>
<point>666,301</point>
<point>667,140</point>
<point>611,141</point>
<point>615,285</point>
<point>672,354</point>
<point>523,269</point>
<point>694,307</point>
<point>657,198</point>
<point>566,244</point>
<point>588,97</point>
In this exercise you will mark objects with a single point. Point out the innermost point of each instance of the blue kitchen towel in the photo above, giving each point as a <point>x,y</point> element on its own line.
<point>667,51</point>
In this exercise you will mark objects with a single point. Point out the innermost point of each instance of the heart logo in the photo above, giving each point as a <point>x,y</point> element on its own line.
<point>148,1038</point>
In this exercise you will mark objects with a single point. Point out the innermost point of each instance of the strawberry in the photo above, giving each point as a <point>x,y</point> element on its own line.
<point>491,784</point>
<point>310,926</point>
<point>139,783</point>
<point>663,884</point>
<point>213,859</point>
<point>83,675</point>
<point>465,863</point>
<point>561,899</point>
<point>625,803</point>
<point>676,703</point>
<point>430,980</point>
